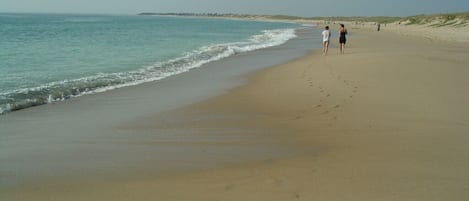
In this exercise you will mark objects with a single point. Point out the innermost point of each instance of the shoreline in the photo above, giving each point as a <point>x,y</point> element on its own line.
<point>15,99</point>
<point>94,141</point>
<point>387,120</point>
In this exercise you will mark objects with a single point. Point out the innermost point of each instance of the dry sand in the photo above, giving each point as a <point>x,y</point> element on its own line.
<point>389,120</point>
<point>449,33</point>
<point>446,33</point>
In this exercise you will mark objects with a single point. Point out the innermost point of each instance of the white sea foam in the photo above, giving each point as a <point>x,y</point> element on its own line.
<point>62,90</point>
<point>309,25</point>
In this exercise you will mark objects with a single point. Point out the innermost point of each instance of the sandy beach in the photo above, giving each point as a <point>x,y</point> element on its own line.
<point>388,120</point>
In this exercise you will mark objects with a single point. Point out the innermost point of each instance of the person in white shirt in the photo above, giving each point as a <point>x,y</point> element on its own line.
<point>326,37</point>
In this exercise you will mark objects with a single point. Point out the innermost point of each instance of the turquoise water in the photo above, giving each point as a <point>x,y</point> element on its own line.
<point>48,58</point>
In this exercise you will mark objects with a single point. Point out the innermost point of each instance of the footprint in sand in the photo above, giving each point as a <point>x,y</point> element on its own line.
<point>328,95</point>
<point>337,106</point>
<point>274,181</point>
<point>278,181</point>
<point>318,106</point>
<point>297,196</point>
<point>326,112</point>
<point>229,187</point>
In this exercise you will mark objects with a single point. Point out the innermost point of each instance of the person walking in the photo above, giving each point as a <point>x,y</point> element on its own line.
<point>326,37</point>
<point>342,38</point>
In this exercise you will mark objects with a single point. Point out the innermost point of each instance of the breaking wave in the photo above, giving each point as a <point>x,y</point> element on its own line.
<point>61,90</point>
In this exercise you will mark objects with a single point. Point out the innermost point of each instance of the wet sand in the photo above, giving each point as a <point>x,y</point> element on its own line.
<point>388,120</point>
<point>96,137</point>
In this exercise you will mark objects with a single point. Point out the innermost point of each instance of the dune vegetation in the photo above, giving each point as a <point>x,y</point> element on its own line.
<point>434,20</point>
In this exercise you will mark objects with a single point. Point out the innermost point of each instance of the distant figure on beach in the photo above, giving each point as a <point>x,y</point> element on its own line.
<point>379,27</point>
<point>326,36</point>
<point>342,38</point>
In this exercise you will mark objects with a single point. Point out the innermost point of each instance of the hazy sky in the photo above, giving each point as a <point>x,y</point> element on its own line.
<point>289,7</point>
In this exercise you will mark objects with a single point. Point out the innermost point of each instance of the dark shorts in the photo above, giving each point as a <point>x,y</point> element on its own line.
<point>342,40</point>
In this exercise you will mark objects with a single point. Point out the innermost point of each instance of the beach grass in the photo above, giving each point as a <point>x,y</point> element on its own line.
<point>438,20</point>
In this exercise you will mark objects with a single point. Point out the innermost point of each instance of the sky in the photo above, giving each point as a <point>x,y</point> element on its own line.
<point>304,8</point>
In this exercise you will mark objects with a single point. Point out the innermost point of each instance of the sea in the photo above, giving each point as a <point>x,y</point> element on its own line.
<point>45,58</point>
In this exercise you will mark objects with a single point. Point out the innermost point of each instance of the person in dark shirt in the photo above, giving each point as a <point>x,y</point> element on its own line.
<point>342,38</point>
